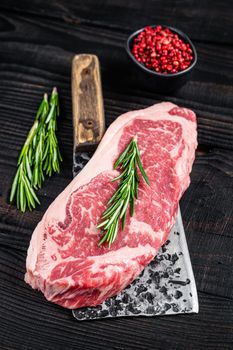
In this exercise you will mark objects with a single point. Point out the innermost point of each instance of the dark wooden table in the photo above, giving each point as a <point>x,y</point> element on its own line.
<point>37,42</point>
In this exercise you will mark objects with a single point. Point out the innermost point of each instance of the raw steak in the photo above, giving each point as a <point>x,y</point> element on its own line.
<point>64,260</point>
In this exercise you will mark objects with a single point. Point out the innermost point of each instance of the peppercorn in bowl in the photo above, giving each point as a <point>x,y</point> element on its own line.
<point>162,56</point>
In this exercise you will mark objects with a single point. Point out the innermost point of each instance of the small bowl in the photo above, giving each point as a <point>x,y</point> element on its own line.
<point>160,82</point>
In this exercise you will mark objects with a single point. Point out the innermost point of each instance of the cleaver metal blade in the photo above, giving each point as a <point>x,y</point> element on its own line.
<point>167,285</point>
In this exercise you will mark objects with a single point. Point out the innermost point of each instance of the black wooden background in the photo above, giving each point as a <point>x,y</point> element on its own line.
<point>37,42</point>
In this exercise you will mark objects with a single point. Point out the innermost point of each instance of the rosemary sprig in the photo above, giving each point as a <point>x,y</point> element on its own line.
<point>22,187</point>
<point>129,162</point>
<point>52,156</point>
<point>40,154</point>
<point>39,144</point>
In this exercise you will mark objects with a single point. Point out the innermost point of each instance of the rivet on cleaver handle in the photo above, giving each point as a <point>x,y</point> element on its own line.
<point>88,109</point>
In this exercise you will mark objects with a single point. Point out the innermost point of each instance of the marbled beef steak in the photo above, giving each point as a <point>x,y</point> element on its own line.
<point>64,260</point>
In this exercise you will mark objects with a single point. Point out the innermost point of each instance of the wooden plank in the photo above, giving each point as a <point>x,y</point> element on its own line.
<point>208,201</point>
<point>45,43</point>
<point>209,93</point>
<point>37,324</point>
<point>203,21</point>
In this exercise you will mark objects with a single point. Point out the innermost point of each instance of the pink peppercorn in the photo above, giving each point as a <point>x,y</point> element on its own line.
<point>161,50</point>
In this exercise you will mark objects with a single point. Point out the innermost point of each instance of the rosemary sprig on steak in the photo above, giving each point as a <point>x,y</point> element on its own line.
<point>129,162</point>
<point>40,155</point>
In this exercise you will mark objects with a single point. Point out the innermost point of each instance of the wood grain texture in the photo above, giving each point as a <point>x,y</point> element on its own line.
<point>87,101</point>
<point>38,40</point>
<point>203,20</point>
<point>56,42</point>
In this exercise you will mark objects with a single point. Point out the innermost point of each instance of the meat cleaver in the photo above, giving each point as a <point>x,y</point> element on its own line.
<point>167,285</point>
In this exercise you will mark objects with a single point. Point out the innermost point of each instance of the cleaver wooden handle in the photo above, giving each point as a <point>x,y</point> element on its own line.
<point>87,101</point>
